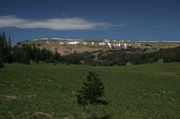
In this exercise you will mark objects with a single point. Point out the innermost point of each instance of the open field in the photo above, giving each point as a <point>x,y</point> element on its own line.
<point>150,91</point>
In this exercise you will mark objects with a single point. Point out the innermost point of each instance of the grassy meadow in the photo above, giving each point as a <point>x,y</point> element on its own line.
<point>150,91</point>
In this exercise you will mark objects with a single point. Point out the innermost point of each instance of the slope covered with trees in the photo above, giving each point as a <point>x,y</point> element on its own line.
<point>27,53</point>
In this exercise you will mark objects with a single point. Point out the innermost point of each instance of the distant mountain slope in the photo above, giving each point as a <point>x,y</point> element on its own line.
<point>68,46</point>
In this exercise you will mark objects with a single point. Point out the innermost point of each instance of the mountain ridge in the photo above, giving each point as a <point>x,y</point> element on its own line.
<point>68,46</point>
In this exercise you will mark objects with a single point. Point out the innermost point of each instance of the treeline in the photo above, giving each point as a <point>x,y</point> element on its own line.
<point>127,56</point>
<point>24,53</point>
<point>170,54</point>
<point>30,53</point>
<point>27,53</point>
<point>77,58</point>
<point>5,49</point>
<point>108,58</point>
<point>136,56</point>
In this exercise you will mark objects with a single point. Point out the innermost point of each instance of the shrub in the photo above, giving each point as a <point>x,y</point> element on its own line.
<point>98,116</point>
<point>91,91</point>
<point>1,62</point>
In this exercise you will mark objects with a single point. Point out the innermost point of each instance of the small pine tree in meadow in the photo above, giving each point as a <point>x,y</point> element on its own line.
<point>91,91</point>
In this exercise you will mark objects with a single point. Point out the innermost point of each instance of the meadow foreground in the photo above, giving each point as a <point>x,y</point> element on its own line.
<point>150,91</point>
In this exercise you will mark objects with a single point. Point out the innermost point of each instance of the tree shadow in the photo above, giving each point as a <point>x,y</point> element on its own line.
<point>99,116</point>
<point>103,102</point>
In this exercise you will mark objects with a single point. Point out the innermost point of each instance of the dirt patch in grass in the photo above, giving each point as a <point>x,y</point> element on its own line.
<point>10,97</point>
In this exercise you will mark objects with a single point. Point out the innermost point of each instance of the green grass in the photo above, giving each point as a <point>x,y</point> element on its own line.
<point>150,91</point>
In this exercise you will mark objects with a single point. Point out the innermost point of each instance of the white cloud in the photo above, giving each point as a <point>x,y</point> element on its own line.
<point>74,23</point>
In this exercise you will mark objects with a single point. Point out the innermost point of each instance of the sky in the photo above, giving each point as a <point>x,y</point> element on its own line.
<point>137,20</point>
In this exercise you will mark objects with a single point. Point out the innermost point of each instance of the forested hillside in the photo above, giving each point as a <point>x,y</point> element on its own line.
<point>28,53</point>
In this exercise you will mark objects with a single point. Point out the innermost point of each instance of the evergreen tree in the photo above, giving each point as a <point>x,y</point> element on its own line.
<point>9,41</point>
<point>91,91</point>
<point>1,50</point>
<point>5,48</point>
<point>1,62</point>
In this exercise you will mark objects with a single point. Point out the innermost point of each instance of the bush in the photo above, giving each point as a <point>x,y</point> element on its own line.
<point>91,91</point>
<point>99,116</point>
<point>1,62</point>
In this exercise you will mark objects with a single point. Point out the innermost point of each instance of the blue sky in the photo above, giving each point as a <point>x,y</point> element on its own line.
<point>91,19</point>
